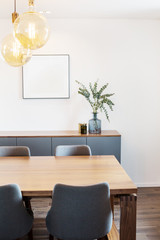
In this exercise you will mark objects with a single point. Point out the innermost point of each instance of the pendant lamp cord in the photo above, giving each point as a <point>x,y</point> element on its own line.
<point>14,5</point>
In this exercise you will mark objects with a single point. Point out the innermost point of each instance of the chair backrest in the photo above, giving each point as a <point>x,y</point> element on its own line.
<point>15,221</point>
<point>80,212</point>
<point>73,150</point>
<point>6,151</point>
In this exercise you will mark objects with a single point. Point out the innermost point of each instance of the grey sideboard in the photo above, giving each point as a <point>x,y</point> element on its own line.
<point>43,143</point>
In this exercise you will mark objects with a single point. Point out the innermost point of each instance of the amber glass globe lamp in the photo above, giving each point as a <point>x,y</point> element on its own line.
<point>13,52</point>
<point>31,28</point>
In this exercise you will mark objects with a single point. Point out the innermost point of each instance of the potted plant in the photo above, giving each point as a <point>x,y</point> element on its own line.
<point>98,101</point>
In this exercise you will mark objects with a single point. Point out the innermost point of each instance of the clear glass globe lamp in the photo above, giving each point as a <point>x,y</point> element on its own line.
<point>31,29</point>
<point>13,52</point>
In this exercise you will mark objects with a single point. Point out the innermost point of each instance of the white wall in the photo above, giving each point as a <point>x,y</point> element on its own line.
<point>125,53</point>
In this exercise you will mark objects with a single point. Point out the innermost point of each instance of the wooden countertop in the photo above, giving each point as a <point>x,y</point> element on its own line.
<point>67,133</point>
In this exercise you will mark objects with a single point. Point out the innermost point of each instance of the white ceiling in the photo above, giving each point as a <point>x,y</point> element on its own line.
<point>144,9</point>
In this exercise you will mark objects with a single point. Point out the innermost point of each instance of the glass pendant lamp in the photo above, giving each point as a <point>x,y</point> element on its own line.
<point>12,51</point>
<point>31,28</point>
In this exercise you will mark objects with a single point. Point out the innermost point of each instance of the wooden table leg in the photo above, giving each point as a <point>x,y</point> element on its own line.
<point>128,205</point>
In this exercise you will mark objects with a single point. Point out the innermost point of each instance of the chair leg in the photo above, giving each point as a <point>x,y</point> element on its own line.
<point>103,238</point>
<point>28,205</point>
<point>51,237</point>
<point>112,205</point>
<point>30,235</point>
<point>27,202</point>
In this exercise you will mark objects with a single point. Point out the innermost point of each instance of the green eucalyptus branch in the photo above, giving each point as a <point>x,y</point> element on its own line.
<point>97,100</point>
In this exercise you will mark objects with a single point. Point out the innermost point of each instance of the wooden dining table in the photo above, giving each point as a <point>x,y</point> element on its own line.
<point>37,177</point>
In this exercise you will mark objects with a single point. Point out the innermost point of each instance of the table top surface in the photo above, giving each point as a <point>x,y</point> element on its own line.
<point>67,133</point>
<point>37,176</point>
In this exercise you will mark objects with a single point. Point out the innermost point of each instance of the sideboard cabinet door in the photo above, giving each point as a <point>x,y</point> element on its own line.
<point>105,146</point>
<point>67,141</point>
<point>7,141</point>
<point>39,146</point>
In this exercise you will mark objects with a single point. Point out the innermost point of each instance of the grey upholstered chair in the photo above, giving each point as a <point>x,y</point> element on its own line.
<point>15,221</point>
<point>12,151</point>
<point>72,150</point>
<point>6,151</point>
<point>80,213</point>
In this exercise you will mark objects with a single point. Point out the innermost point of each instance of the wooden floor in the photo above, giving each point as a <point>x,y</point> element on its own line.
<point>148,209</point>
<point>148,215</point>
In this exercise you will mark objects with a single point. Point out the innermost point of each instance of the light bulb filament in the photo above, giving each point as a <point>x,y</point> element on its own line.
<point>15,50</point>
<point>31,31</point>
<point>31,2</point>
